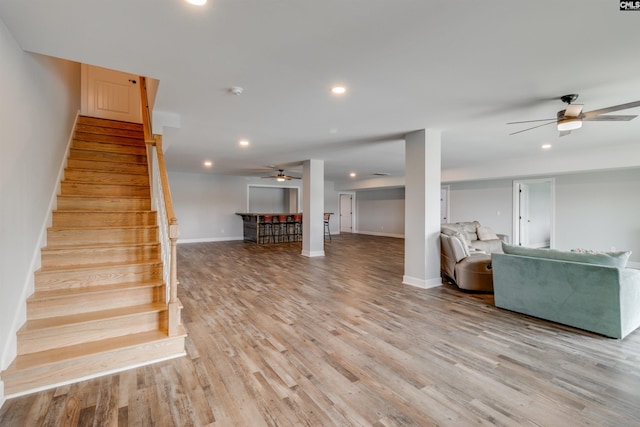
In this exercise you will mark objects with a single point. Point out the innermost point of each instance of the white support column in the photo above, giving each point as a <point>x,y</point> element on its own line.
<point>422,209</point>
<point>313,208</point>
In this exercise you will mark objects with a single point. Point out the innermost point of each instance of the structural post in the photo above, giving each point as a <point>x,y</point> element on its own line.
<point>313,208</point>
<point>422,209</point>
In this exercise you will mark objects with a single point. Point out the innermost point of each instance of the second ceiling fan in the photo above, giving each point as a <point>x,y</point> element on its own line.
<point>571,117</point>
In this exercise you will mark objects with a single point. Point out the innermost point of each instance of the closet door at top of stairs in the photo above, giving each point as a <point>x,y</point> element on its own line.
<point>110,94</point>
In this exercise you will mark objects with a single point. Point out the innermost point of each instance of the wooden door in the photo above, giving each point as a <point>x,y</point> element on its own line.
<point>110,94</point>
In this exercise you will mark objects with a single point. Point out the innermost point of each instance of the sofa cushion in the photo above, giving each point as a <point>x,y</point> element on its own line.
<point>469,230</point>
<point>458,246</point>
<point>450,229</point>
<point>485,233</point>
<point>611,259</point>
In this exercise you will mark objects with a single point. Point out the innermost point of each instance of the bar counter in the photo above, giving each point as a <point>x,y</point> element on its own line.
<point>254,230</point>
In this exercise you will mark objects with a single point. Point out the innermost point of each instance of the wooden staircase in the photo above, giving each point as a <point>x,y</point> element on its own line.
<point>99,303</point>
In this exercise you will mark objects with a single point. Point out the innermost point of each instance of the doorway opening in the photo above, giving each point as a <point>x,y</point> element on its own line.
<point>534,212</point>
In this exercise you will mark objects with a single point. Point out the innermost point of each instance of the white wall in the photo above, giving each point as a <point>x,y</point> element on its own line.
<point>381,212</point>
<point>39,101</point>
<point>599,211</point>
<point>596,210</point>
<point>488,202</point>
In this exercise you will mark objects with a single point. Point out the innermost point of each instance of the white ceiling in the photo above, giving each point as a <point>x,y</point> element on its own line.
<point>463,68</point>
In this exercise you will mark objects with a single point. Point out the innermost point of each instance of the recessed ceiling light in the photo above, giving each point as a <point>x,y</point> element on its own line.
<point>243,142</point>
<point>352,174</point>
<point>546,146</point>
<point>197,2</point>
<point>208,163</point>
<point>338,90</point>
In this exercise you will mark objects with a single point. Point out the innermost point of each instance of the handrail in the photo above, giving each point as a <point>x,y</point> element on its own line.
<point>170,229</point>
<point>146,111</point>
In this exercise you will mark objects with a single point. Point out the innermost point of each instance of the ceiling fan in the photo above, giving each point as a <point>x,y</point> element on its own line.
<point>571,117</point>
<point>281,177</point>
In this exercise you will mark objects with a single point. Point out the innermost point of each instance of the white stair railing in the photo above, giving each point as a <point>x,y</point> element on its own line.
<point>167,222</point>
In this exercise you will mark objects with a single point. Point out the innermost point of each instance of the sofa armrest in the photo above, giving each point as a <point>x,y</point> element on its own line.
<point>503,237</point>
<point>629,300</point>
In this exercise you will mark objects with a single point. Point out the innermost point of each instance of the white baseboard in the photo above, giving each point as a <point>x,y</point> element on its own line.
<point>421,283</point>
<point>210,239</point>
<point>634,265</point>
<point>376,233</point>
<point>312,254</point>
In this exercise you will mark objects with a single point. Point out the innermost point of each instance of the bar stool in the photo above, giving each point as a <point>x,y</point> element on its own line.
<point>296,222</point>
<point>266,228</point>
<point>326,225</point>
<point>281,228</point>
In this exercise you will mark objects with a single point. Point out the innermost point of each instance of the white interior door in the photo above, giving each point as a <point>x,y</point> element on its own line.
<point>534,212</point>
<point>524,217</point>
<point>346,213</point>
<point>444,204</point>
<point>110,94</point>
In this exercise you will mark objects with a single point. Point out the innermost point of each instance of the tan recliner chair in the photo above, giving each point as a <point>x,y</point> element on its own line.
<point>465,259</point>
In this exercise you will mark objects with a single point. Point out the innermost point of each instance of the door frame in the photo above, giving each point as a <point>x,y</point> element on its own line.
<point>447,189</point>
<point>353,210</point>
<point>516,208</point>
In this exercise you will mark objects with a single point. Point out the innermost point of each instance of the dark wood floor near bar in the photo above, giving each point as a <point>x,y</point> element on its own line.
<point>278,339</point>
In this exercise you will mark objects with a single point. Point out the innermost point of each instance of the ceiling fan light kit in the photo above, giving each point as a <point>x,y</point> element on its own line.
<point>571,117</point>
<point>281,176</point>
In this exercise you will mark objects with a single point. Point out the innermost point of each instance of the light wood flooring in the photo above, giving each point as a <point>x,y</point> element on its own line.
<point>278,339</point>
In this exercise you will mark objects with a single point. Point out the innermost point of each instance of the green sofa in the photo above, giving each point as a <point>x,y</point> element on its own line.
<point>590,291</point>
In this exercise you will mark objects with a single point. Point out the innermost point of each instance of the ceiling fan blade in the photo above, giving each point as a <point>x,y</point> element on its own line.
<point>564,132</point>
<point>612,109</point>
<point>524,130</point>
<point>573,110</point>
<point>530,121</point>
<point>614,118</point>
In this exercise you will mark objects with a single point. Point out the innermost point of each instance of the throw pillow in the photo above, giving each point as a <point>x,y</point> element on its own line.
<point>485,233</point>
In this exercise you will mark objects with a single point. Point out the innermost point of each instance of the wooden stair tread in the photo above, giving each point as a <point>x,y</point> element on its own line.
<point>97,246</point>
<point>89,267</point>
<point>51,357</point>
<point>95,316</point>
<point>97,121</point>
<point>104,184</point>
<point>119,167</point>
<point>99,212</point>
<point>100,227</point>
<point>47,294</point>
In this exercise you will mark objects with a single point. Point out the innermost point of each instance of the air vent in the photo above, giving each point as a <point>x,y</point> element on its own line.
<point>381,174</point>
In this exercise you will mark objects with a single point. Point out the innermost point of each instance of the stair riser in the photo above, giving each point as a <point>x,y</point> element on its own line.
<point>102,130</point>
<point>91,155</point>
<point>103,203</point>
<point>68,188</point>
<point>114,167</point>
<point>96,177</point>
<point>109,148</point>
<point>62,336</point>
<point>72,279</point>
<point>102,219</point>
<point>111,139</point>
<point>88,256</point>
<point>111,124</point>
<point>84,302</point>
<point>92,365</point>
<point>98,236</point>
